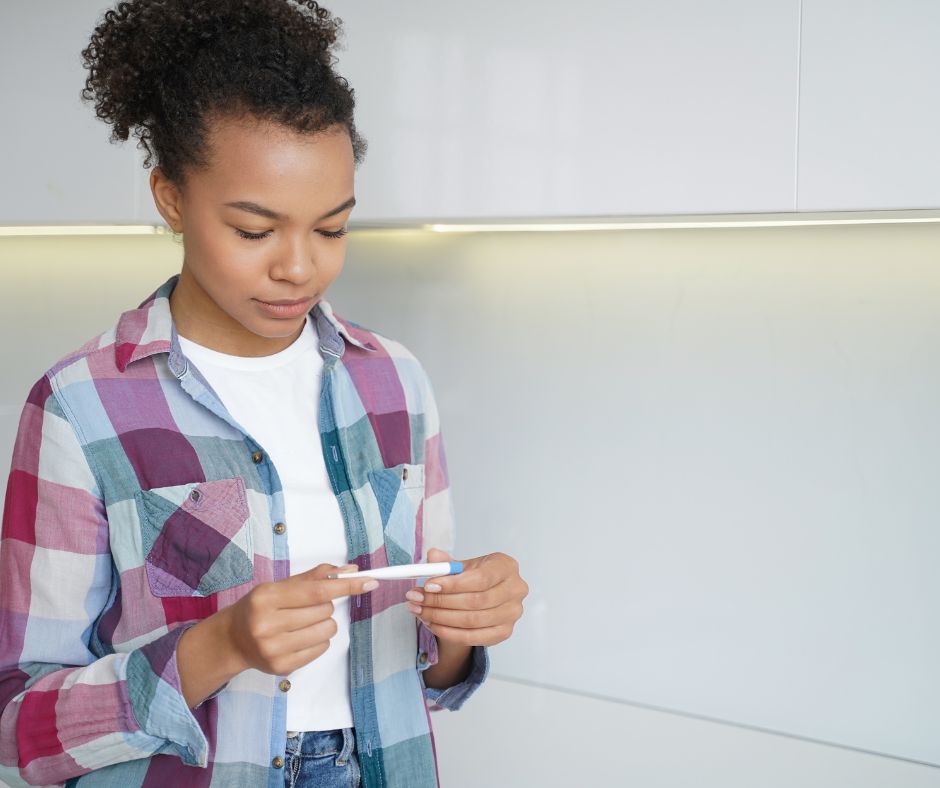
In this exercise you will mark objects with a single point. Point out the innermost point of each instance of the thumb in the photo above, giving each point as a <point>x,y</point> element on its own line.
<point>435,555</point>
<point>339,587</point>
<point>320,571</point>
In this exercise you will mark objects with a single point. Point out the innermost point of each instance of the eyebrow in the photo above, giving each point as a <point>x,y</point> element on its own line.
<point>260,210</point>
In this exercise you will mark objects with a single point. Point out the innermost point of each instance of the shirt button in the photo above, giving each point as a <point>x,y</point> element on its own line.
<point>278,762</point>
<point>423,657</point>
<point>404,474</point>
<point>257,457</point>
<point>280,528</point>
<point>283,685</point>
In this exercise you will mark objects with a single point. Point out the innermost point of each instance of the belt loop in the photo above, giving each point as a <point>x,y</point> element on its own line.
<point>346,754</point>
<point>300,742</point>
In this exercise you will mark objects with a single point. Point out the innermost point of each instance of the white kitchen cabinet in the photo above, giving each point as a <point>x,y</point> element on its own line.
<point>534,109</point>
<point>57,162</point>
<point>484,110</point>
<point>494,109</point>
<point>869,117</point>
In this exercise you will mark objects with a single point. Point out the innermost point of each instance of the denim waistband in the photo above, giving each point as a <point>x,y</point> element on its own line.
<point>340,742</point>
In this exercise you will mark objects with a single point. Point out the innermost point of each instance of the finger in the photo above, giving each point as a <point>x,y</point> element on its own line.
<point>470,619</point>
<point>294,618</point>
<point>307,637</point>
<point>313,587</point>
<point>301,658</point>
<point>470,600</point>
<point>436,555</point>
<point>472,579</point>
<point>471,637</point>
<point>320,571</point>
<point>479,574</point>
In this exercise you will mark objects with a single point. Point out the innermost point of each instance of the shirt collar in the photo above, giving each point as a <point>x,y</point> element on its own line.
<point>149,329</point>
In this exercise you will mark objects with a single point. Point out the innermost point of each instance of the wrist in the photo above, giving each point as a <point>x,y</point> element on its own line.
<point>451,651</point>
<point>454,663</point>
<point>206,659</point>
<point>233,660</point>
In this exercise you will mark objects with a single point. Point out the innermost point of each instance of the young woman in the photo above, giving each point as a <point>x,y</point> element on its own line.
<point>182,484</point>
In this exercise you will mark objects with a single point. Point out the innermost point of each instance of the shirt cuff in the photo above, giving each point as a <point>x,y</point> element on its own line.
<point>212,695</point>
<point>157,702</point>
<point>450,698</point>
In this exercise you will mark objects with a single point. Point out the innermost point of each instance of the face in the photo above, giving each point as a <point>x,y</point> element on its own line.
<point>264,222</point>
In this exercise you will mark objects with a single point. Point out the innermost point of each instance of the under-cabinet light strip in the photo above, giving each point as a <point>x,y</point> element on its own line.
<point>84,229</point>
<point>671,225</point>
<point>568,225</point>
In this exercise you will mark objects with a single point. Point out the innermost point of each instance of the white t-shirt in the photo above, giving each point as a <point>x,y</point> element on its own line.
<point>276,399</point>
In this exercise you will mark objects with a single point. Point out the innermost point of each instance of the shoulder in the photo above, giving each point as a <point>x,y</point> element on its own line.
<point>137,333</point>
<point>379,346</point>
<point>54,394</point>
<point>75,386</point>
<point>386,362</point>
<point>92,359</point>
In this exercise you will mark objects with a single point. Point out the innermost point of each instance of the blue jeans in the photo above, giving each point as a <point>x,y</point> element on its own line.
<point>325,759</point>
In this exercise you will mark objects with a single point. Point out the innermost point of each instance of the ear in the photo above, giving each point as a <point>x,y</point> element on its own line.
<point>168,199</point>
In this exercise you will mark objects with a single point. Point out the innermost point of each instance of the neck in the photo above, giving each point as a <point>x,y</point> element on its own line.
<point>199,319</point>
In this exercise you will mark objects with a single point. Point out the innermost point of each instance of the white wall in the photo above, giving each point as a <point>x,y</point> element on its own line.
<point>742,422</point>
<point>516,736</point>
<point>740,426</point>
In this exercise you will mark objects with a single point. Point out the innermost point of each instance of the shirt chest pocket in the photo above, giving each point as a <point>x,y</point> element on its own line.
<point>196,537</point>
<point>399,491</point>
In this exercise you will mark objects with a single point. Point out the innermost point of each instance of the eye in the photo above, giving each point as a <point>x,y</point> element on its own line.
<point>252,236</point>
<point>334,233</point>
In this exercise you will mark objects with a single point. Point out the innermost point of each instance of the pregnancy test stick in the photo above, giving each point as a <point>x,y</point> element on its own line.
<point>404,571</point>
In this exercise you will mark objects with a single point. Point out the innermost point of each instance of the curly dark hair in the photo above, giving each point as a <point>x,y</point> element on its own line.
<point>163,67</point>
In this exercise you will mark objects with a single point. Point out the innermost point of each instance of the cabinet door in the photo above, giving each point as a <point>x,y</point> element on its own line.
<point>58,165</point>
<point>484,110</point>
<point>528,108</point>
<point>869,117</point>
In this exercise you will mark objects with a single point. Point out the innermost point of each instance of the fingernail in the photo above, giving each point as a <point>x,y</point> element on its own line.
<point>413,608</point>
<point>415,596</point>
<point>370,585</point>
<point>348,568</point>
<point>432,587</point>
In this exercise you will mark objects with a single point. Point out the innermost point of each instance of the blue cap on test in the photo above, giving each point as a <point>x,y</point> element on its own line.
<point>456,567</point>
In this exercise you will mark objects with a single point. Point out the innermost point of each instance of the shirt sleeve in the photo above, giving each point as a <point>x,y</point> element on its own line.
<point>438,530</point>
<point>67,705</point>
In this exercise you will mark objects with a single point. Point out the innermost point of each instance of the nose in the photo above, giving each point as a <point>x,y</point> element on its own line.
<point>295,260</point>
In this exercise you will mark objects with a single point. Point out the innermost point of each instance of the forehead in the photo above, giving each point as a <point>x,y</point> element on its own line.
<point>254,158</point>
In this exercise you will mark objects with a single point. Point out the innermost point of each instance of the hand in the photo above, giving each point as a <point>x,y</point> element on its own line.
<point>478,607</point>
<point>280,626</point>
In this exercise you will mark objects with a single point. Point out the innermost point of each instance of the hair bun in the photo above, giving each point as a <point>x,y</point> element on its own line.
<point>158,67</point>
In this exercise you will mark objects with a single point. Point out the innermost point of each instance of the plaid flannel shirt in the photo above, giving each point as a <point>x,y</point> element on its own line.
<point>136,506</point>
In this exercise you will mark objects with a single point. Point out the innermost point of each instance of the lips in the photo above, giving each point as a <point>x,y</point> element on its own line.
<point>283,309</point>
<point>285,302</point>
